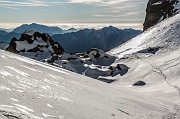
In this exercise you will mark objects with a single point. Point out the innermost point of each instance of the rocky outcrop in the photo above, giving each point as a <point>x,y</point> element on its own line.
<point>94,63</point>
<point>158,10</point>
<point>35,45</point>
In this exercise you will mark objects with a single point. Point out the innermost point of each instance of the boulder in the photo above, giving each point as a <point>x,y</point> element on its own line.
<point>139,83</point>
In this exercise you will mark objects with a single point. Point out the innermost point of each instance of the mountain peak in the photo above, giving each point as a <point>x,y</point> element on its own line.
<point>51,30</point>
<point>38,27</point>
<point>111,28</point>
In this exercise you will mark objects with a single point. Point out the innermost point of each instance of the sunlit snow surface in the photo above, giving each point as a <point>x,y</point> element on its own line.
<point>160,70</point>
<point>164,34</point>
<point>33,90</point>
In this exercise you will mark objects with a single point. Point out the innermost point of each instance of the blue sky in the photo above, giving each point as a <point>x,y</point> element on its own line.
<point>72,11</point>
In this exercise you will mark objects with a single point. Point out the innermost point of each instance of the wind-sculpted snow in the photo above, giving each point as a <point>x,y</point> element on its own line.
<point>154,61</point>
<point>34,90</point>
<point>164,36</point>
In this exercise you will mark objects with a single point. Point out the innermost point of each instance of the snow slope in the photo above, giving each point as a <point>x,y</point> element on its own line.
<point>33,90</point>
<point>164,35</point>
<point>163,60</point>
<point>153,57</point>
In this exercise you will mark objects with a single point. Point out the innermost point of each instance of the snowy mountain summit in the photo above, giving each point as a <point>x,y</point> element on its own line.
<point>158,10</point>
<point>35,45</point>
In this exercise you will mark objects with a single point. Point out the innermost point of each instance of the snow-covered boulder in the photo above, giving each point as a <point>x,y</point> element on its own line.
<point>35,45</point>
<point>99,57</point>
<point>93,63</point>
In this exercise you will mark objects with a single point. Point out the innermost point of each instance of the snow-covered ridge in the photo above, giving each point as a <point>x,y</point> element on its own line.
<point>164,35</point>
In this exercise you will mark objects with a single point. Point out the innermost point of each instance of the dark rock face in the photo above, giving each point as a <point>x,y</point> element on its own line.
<point>35,45</point>
<point>12,47</point>
<point>158,10</point>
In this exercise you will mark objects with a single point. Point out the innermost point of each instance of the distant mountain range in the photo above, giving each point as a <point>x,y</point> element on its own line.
<point>77,41</point>
<point>51,30</point>
<point>104,39</point>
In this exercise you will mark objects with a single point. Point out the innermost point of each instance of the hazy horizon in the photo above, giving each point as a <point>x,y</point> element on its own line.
<point>72,11</point>
<point>66,26</point>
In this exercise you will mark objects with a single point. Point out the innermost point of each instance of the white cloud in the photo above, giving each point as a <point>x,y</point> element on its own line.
<point>30,3</point>
<point>99,1</point>
<point>86,1</point>
<point>102,15</point>
<point>130,14</point>
<point>24,3</point>
<point>14,8</point>
<point>91,9</point>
